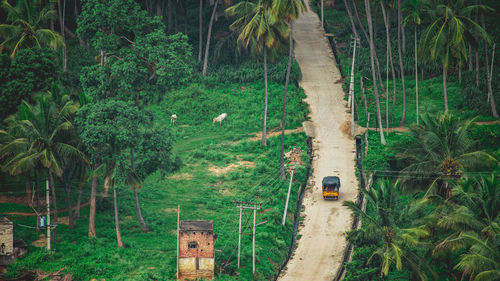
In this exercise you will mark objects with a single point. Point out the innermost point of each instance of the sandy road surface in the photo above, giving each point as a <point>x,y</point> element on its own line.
<point>322,241</point>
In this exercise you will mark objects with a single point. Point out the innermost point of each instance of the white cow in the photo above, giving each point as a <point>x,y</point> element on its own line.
<point>173,119</point>
<point>219,118</point>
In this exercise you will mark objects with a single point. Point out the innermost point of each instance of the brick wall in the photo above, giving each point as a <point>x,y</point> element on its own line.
<point>205,240</point>
<point>6,236</point>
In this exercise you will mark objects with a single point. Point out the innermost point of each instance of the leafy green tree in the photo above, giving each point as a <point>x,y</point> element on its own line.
<point>107,128</point>
<point>439,150</point>
<point>25,26</point>
<point>260,30</point>
<point>31,71</point>
<point>446,38</point>
<point>288,11</point>
<point>396,247</point>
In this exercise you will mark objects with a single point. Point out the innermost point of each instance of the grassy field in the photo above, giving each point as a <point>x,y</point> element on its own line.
<point>219,165</point>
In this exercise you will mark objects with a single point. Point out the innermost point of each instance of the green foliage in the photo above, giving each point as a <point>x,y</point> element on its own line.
<point>250,71</point>
<point>32,70</point>
<point>25,26</point>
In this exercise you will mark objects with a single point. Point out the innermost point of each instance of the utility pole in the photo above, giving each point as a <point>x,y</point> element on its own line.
<point>288,195</point>
<point>247,206</point>
<point>178,217</point>
<point>351,86</point>
<point>322,14</point>
<point>48,214</point>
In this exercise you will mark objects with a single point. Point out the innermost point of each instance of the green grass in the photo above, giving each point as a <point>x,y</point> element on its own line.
<point>201,194</point>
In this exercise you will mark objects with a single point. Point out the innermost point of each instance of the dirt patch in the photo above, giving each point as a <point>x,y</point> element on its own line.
<point>21,200</point>
<point>182,176</point>
<point>41,242</point>
<point>169,210</point>
<point>227,192</point>
<point>345,128</point>
<point>275,132</point>
<point>223,170</point>
<point>63,220</point>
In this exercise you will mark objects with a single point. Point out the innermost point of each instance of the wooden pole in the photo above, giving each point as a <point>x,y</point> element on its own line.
<point>288,195</point>
<point>178,217</point>
<point>239,237</point>
<point>253,241</point>
<point>351,88</point>
<point>48,214</point>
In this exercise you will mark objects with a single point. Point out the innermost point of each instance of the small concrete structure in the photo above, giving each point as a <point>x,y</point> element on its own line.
<point>196,250</point>
<point>6,241</point>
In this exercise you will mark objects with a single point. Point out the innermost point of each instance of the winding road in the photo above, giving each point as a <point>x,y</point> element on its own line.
<point>320,249</point>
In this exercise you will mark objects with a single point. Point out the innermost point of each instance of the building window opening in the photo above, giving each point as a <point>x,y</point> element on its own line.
<point>192,245</point>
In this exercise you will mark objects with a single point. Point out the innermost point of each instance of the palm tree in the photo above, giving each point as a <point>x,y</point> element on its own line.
<point>414,10</point>
<point>471,215</point>
<point>24,29</point>
<point>374,76</point>
<point>395,249</point>
<point>287,10</point>
<point>440,149</point>
<point>387,23</point>
<point>259,29</point>
<point>209,35</point>
<point>447,36</point>
<point>45,128</point>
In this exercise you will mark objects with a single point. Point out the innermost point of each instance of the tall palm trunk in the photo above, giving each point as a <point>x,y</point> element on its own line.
<point>379,75</point>
<point>372,61</point>
<point>264,125</point>
<point>491,98</point>
<point>117,222</point>
<point>54,201</point>
<point>28,188</point>
<point>349,13</point>
<point>207,46</point>
<point>416,72</point>
<point>62,11</point>
<point>93,194</point>
<point>401,67</point>
<point>387,22</point>
<point>144,227</point>
<point>159,8</point>
<point>445,92</point>
<point>200,43</point>
<point>283,109</point>
<point>469,60</point>
<point>79,200</point>
<point>67,190</point>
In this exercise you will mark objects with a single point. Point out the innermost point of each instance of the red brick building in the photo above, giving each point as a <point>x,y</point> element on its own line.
<point>196,250</point>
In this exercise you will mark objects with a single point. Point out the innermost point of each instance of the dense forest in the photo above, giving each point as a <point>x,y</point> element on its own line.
<point>110,108</point>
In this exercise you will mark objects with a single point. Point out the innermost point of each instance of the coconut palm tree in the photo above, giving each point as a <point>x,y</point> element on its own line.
<point>401,47</point>
<point>374,76</point>
<point>395,249</point>
<point>414,10</point>
<point>258,29</point>
<point>45,128</point>
<point>209,36</point>
<point>439,150</point>
<point>471,215</point>
<point>25,26</point>
<point>287,10</point>
<point>447,37</point>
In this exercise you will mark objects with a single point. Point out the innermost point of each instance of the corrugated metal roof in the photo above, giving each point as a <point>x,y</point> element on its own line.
<point>196,225</point>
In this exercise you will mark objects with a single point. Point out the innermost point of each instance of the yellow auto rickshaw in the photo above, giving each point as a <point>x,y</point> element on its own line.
<point>331,187</point>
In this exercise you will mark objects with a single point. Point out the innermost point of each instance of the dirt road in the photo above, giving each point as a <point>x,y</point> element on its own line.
<point>322,241</point>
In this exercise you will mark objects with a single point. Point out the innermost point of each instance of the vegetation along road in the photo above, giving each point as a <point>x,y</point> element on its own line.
<point>322,242</point>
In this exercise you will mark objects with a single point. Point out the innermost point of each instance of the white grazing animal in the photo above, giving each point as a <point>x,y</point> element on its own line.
<point>173,119</point>
<point>219,118</point>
